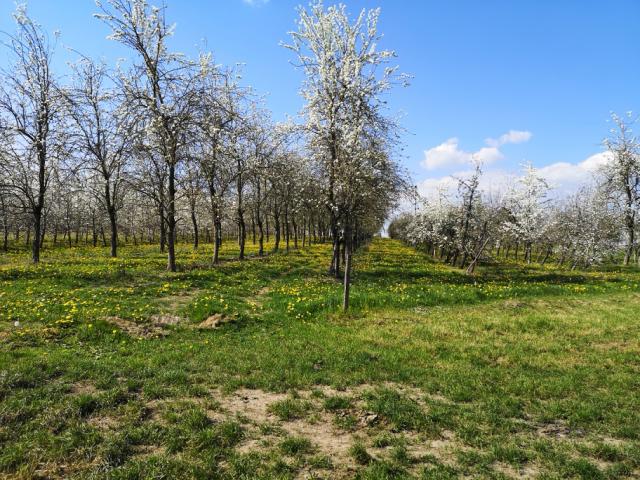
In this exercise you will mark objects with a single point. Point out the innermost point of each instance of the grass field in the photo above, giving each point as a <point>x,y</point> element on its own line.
<point>118,369</point>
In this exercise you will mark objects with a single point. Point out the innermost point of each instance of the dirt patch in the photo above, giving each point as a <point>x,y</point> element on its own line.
<point>257,300</point>
<point>331,432</point>
<point>83,388</point>
<point>624,346</point>
<point>252,404</point>
<point>558,429</point>
<point>442,449</point>
<point>515,304</point>
<point>145,451</point>
<point>53,470</point>
<point>616,442</point>
<point>171,306</point>
<point>215,321</point>
<point>523,472</point>
<point>137,330</point>
<point>328,439</point>
<point>323,429</point>
<point>103,422</point>
<point>254,445</point>
<point>173,303</point>
<point>166,319</point>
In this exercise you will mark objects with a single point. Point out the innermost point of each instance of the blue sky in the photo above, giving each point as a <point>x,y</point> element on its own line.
<point>547,71</point>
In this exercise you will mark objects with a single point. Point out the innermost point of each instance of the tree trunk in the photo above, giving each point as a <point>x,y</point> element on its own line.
<point>337,256</point>
<point>194,221</point>
<point>163,229</point>
<point>5,229</point>
<point>304,232</point>
<point>242,229</point>
<point>43,232</point>
<point>217,238</point>
<point>472,266</point>
<point>171,219</point>
<point>347,268</point>
<point>253,229</point>
<point>242,237</point>
<point>334,269</point>
<point>260,236</point>
<point>39,206</point>
<point>295,232</point>
<point>94,231</point>
<point>266,220</point>
<point>113,222</point>
<point>630,225</point>
<point>276,227</point>
<point>35,247</point>
<point>286,227</point>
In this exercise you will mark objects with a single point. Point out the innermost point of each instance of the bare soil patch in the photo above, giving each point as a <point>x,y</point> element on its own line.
<point>83,388</point>
<point>173,303</point>
<point>137,330</point>
<point>557,429</point>
<point>257,300</point>
<point>215,321</point>
<point>166,319</point>
<point>321,426</point>
<point>103,422</point>
<point>523,472</point>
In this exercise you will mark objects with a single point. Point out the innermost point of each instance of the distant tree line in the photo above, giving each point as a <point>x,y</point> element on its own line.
<point>598,223</point>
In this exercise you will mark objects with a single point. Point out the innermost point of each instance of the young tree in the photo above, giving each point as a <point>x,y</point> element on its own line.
<point>160,87</point>
<point>148,177</point>
<point>193,188</point>
<point>469,194</point>
<point>266,143</point>
<point>30,103</point>
<point>586,227</point>
<point>102,136</point>
<point>527,204</point>
<point>218,117</point>
<point>622,175</point>
<point>348,135</point>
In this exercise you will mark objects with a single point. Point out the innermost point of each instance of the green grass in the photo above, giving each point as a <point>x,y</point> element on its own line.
<point>519,370</point>
<point>337,402</point>
<point>289,409</point>
<point>296,446</point>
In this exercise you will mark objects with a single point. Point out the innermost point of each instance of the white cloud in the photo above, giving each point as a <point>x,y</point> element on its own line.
<point>567,178</point>
<point>564,178</point>
<point>487,155</point>
<point>492,182</point>
<point>449,153</point>
<point>596,161</point>
<point>431,187</point>
<point>255,3</point>
<point>512,136</point>
<point>446,153</point>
